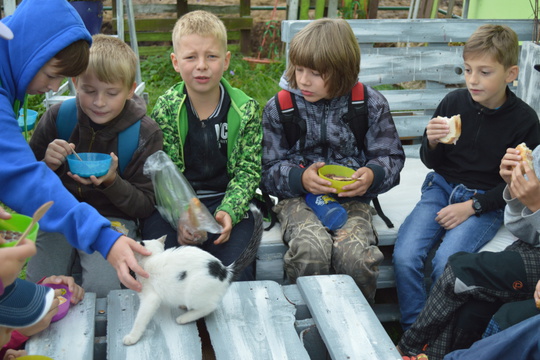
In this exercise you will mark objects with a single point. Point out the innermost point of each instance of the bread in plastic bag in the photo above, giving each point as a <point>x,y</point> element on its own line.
<point>176,200</point>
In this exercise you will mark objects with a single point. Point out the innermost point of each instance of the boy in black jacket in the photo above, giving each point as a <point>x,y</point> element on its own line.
<point>462,198</point>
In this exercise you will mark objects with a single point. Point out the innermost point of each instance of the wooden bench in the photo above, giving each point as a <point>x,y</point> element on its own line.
<point>393,52</point>
<point>322,317</point>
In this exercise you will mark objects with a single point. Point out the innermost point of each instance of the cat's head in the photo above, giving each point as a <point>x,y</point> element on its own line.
<point>156,246</point>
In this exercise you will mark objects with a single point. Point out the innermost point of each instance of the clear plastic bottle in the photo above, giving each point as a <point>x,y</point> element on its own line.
<point>329,211</point>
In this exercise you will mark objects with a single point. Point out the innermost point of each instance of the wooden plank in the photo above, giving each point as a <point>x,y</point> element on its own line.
<point>414,99</point>
<point>373,9</point>
<point>416,31</point>
<point>71,337</point>
<point>164,25</point>
<point>349,327</point>
<point>529,78</point>
<point>255,321</point>
<point>163,338</point>
<point>395,65</point>
<point>172,9</point>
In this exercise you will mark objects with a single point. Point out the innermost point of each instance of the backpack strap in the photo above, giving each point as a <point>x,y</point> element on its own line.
<point>357,116</point>
<point>294,126</point>
<point>66,119</point>
<point>128,142</point>
<point>128,139</point>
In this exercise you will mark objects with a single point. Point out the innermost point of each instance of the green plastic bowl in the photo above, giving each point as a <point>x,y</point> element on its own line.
<point>18,223</point>
<point>339,171</point>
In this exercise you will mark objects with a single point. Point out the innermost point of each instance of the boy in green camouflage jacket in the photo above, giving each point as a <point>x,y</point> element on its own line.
<point>213,133</point>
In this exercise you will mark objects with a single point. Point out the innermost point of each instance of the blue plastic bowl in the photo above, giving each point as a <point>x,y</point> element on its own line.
<point>31,117</point>
<point>96,164</point>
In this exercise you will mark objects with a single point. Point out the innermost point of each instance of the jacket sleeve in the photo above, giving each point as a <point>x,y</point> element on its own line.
<point>382,146</point>
<point>247,164</point>
<point>520,221</point>
<point>281,168</point>
<point>81,224</point>
<point>133,192</point>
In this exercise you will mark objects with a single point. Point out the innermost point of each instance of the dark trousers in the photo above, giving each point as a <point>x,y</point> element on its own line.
<point>155,226</point>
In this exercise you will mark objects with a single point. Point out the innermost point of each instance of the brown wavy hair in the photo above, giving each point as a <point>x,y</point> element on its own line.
<point>329,47</point>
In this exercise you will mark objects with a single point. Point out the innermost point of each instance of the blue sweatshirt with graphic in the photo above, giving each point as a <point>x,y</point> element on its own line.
<point>41,29</point>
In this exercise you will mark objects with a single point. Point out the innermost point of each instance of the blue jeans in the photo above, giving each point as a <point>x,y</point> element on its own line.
<point>419,233</point>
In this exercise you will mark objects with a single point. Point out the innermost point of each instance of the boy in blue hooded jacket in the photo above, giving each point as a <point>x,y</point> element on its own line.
<point>37,59</point>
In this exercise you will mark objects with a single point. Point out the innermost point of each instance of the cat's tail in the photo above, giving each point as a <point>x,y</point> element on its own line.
<point>250,252</point>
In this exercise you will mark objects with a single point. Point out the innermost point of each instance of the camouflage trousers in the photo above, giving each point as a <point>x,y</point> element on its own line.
<point>313,250</point>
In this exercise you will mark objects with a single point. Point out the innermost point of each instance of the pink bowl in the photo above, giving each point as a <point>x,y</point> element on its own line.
<point>65,298</point>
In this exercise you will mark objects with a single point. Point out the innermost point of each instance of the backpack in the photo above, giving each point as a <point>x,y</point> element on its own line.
<point>128,139</point>
<point>356,118</point>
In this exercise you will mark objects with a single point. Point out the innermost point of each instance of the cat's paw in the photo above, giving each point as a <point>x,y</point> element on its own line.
<point>131,339</point>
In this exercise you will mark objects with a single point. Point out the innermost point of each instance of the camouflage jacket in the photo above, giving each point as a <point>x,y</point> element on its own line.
<point>244,144</point>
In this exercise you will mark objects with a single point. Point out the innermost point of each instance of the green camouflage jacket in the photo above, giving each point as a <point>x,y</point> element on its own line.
<point>243,145</point>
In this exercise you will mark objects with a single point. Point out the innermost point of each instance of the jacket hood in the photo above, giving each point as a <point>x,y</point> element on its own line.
<point>41,29</point>
<point>284,84</point>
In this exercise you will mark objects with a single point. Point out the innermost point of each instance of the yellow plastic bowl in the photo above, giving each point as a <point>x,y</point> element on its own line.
<point>34,357</point>
<point>18,223</point>
<point>339,171</point>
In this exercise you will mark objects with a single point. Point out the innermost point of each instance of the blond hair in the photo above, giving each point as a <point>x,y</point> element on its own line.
<point>202,23</point>
<point>329,47</point>
<point>112,60</point>
<point>498,41</point>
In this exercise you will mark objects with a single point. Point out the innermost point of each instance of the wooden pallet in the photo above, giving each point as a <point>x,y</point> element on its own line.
<point>323,317</point>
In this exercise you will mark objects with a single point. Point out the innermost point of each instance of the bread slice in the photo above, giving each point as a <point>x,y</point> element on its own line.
<point>455,129</point>
<point>526,154</point>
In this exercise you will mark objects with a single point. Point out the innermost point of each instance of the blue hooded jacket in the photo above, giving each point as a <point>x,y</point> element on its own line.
<point>41,29</point>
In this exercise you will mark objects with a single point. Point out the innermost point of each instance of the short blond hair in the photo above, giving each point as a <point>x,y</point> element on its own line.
<point>202,23</point>
<point>329,47</point>
<point>112,60</point>
<point>498,41</point>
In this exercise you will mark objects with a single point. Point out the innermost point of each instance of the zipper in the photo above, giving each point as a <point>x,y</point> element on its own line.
<point>324,133</point>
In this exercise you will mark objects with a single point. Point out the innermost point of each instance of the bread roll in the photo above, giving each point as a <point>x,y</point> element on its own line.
<point>526,154</point>
<point>455,129</point>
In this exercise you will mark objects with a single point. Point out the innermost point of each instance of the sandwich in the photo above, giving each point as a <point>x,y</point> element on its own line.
<point>526,154</point>
<point>455,129</point>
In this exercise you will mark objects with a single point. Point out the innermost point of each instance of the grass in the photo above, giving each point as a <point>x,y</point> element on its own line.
<point>261,81</point>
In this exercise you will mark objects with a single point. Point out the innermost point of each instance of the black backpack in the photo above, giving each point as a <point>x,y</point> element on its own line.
<point>295,128</point>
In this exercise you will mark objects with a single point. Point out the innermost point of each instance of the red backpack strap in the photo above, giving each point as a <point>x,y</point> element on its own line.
<point>357,94</point>
<point>285,102</point>
<point>293,125</point>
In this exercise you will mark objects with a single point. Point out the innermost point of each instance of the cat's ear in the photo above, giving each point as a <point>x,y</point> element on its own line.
<point>162,239</point>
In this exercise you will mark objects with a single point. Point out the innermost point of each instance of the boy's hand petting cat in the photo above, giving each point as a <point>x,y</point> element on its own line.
<point>102,181</point>
<point>452,215</point>
<point>56,153</point>
<point>527,190</point>
<point>122,258</point>
<point>224,219</point>
<point>313,183</point>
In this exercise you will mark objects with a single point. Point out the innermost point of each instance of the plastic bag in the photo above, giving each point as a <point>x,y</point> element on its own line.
<point>176,200</point>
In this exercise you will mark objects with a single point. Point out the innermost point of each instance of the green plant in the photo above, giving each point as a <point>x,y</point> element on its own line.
<point>271,42</point>
<point>353,9</point>
<point>260,82</point>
